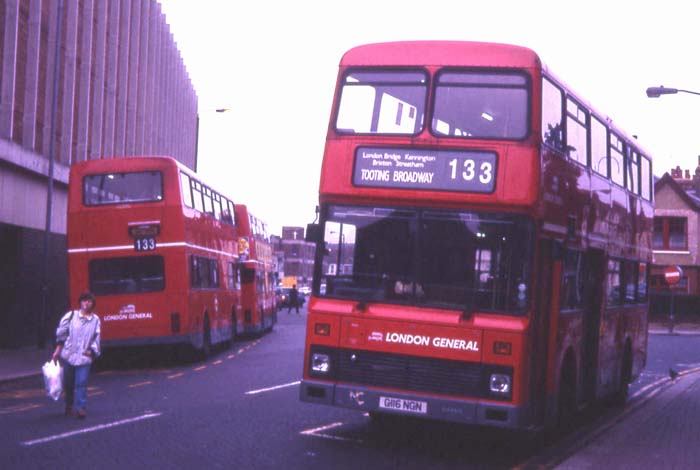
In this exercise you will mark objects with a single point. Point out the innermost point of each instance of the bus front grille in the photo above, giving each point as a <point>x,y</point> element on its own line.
<point>410,373</point>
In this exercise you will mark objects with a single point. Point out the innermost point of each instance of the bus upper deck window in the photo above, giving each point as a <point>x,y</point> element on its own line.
<point>382,102</point>
<point>478,105</point>
<point>129,187</point>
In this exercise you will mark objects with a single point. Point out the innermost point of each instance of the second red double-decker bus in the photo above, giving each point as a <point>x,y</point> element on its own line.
<point>258,302</point>
<point>483,243</point>
<point>159,249</point>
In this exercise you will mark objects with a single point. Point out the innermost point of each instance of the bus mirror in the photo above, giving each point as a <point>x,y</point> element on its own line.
<point>313,233</point>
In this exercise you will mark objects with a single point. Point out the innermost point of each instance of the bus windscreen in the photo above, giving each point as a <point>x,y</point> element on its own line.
<point>478,105</point>
<point>428,257</point>
<point>382,102</point>
<point>120,188</point>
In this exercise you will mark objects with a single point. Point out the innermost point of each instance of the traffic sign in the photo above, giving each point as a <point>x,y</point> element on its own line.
<point>673,274</point>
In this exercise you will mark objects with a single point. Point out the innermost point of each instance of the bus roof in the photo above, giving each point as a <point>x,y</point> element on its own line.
<point>465,53</point>
<point>440,53</point>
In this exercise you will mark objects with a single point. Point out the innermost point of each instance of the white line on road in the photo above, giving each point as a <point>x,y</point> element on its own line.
<point>317,432</point>
<point>86,430</point>
<point>276,387</point>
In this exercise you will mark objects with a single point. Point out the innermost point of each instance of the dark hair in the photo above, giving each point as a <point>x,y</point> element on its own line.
<point>87,296</point>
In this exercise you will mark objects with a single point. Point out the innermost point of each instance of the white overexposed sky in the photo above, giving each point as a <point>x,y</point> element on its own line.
<point>274,64</point>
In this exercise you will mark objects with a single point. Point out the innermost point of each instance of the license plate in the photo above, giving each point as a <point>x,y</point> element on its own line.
<point>405,406</point>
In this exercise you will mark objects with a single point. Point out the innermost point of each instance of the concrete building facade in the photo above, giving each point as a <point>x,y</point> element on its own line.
<point>80,79</point>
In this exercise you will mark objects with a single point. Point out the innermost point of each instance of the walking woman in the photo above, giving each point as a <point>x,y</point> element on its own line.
<point>77,345</point>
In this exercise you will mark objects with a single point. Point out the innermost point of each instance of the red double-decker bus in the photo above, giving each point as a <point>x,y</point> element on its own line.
<point>258,302</point>
<point>159,249</point>
<point>483,242</point>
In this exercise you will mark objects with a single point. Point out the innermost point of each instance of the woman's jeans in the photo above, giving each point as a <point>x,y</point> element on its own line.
<point>75,380</point>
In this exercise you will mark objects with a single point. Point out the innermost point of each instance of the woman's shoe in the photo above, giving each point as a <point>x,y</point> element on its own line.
<point>81,414</point>
<point>69,410</point>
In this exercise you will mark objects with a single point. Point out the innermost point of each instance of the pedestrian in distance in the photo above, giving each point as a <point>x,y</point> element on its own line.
<point>293,299</point>
<point>77,346</point>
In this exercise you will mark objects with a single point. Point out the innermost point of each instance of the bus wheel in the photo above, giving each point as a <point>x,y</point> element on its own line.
<point>234,326</point>
<point>273,320</point>
<point>620,396</point>
<point>566,409</point>
<point>206,338</point>
<point>261,327</point>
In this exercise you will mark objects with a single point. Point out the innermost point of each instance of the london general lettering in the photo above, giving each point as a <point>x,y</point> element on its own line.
<point>436,342</point>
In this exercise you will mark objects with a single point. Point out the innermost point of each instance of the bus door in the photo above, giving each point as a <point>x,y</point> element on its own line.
<point>594,270</point>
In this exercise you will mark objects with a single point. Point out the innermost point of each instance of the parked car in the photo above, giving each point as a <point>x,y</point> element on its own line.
<point>283,301</point>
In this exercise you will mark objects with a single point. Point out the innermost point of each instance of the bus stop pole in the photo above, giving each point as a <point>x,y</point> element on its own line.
<point>671,316</point>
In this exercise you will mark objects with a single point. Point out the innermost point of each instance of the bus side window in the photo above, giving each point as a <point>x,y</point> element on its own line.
<point>552,100</point>
<point>230,216</point>
<point>617,166</point>
<point>208,205</point>
<point>186,188</point>
<point>231,276</point>
<point>576,132</point>
<point>226,212</point>
<point>216,202</point>
<point>197,195</point>
<point>599,147</point>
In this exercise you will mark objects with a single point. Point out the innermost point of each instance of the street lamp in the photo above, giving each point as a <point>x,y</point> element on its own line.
<point>656,91</point>
<point>53,136</point>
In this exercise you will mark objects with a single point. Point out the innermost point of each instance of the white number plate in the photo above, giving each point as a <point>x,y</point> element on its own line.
<point>405,406</point>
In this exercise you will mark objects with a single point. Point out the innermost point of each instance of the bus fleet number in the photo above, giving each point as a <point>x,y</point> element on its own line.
<point>145,244</point>
<point>485,170</point>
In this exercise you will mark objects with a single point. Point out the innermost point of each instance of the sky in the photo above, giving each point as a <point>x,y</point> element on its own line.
<point>273,65</point>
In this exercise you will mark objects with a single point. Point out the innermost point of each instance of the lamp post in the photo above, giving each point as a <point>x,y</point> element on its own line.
<point>656,91</point>
<point>196,136</point>
<point>43,312</point>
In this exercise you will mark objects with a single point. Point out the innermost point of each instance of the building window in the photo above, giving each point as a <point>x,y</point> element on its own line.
<point>670,233</point>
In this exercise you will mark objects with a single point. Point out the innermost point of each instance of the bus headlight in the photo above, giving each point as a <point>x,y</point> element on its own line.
<point>320,363</point>
<point>500,384</point>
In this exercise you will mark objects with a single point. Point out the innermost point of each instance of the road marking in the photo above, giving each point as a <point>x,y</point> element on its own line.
<point>318,432</point>
<point>100,427</point>
<point>175,376</point>
<point>140,384</point>
<point>18,408</point>
<point>197,369</point>
<point>216,363</point>
<point>276,387</point>
<point>230,356</point>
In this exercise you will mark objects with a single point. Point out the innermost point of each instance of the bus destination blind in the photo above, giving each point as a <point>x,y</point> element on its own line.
<point>450,170</point>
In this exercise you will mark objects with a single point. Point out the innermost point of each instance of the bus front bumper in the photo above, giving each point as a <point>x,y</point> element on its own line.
<point>444,409</point>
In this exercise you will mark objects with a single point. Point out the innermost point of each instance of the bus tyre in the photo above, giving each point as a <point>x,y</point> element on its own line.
<point>234,326</point>
<point>206,338</point>
<point>566,407</point>
<point>273,317</point>
<point>619,398</point>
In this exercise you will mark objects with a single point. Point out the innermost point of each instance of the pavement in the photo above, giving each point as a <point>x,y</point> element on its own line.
<point>659,431</point>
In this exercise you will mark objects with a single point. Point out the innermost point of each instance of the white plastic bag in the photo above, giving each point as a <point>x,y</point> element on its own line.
<point>53,379</point>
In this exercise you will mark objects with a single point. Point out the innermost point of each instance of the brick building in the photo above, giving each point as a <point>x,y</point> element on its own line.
<point>676,240</point>
<point>81,79</point>
<point>298,255</point>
